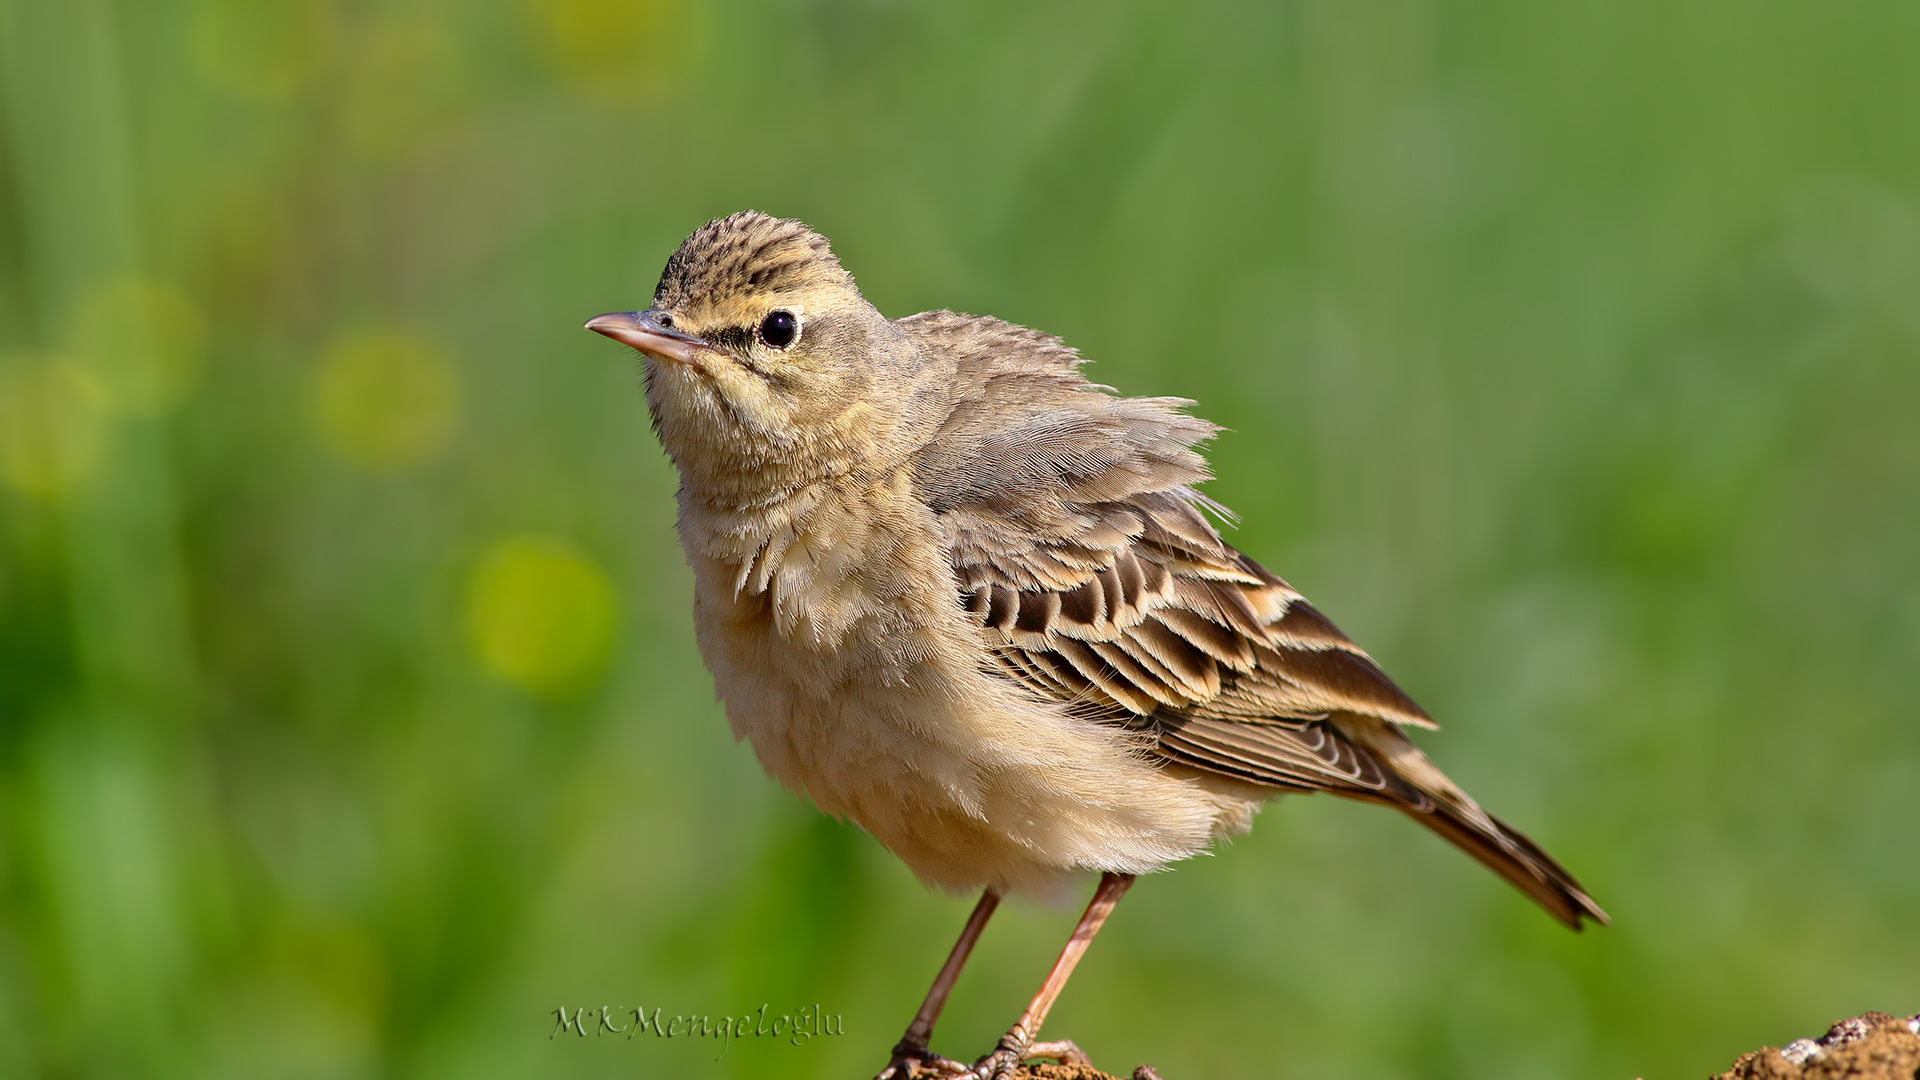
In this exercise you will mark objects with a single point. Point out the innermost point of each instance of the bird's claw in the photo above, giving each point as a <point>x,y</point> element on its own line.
<point>1006,1058</point>
<point>1061,1050</point>
<point>998,1065</point>
<point>911,1062</point>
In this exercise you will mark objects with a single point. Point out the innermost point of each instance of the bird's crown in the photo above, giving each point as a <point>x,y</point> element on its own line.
<point>745,255</point>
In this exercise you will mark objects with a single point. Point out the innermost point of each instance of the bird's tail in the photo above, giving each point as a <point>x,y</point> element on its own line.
<point>1425,794</point>
<point>1506,851</point>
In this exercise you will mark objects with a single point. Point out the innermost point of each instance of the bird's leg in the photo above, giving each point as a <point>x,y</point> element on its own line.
<point>1018,1043</point>
<point>910,1055</point>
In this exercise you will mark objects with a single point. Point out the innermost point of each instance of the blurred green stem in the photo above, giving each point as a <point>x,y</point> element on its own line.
<point>73,162</point>
<point>106,771</point>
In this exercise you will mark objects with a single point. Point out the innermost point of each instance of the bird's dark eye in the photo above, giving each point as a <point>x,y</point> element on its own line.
<point>778,329</point>
<point>665,320</point>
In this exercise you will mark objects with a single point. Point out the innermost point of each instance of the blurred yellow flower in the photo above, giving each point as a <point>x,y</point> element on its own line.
<point>621,49</point>
<point>143,340</point>
<point>264,51</point>
<point>53,424</point>
<point>404,77</point>
<point>541,615</point>
<point>385,400</point>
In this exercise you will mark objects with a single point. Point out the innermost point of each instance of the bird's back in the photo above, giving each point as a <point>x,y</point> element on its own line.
<point>1084,555</point>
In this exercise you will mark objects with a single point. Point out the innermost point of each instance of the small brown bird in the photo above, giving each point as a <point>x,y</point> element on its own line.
<point>955,592</point>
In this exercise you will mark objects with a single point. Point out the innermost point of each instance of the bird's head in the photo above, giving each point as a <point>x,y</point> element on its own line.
<point>766,368</point>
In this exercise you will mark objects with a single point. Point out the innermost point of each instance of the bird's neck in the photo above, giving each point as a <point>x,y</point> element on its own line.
<point>804,550</point>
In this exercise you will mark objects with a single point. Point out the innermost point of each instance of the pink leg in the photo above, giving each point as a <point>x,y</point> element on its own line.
<point>1018,1042</point>
<point>910,1055</point>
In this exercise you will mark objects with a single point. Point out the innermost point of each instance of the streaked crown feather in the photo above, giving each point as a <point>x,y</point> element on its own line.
<point>746,254</point>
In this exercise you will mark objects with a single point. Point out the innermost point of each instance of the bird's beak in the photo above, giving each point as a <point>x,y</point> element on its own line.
<point>643,331</point>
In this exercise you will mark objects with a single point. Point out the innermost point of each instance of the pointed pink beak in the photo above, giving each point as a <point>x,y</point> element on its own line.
<point>652,332</point>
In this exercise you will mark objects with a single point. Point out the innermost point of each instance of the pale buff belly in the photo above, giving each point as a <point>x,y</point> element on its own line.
<point>949,767</point>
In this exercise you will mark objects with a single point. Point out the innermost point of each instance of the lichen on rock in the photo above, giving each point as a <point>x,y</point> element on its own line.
<point>1872,1046</point>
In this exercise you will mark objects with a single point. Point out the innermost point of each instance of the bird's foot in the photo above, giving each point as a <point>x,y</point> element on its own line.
<point>912,1061</point>
<point>1061,1050</point>
<point>998,1065</point>
<point>1013,1050</point>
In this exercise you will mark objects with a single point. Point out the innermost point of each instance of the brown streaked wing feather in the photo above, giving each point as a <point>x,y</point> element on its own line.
<point>1162,625</point>
<point>1343,678</point>
<point>1310,756</point>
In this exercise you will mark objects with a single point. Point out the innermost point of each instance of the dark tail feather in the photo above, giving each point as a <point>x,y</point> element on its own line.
<point>1511,855</point>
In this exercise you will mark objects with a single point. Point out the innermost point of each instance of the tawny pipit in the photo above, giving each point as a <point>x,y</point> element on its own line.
<point>953,591</point>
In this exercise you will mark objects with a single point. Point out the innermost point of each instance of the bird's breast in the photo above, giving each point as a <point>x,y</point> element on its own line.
<point>838,644</point>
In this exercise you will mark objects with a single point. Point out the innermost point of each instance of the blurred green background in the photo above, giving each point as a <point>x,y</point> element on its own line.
<point>350,719</point>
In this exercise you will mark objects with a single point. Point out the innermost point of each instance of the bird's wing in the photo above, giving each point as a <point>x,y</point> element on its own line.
<point>1079,543</point>
<point>1077,537</point>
